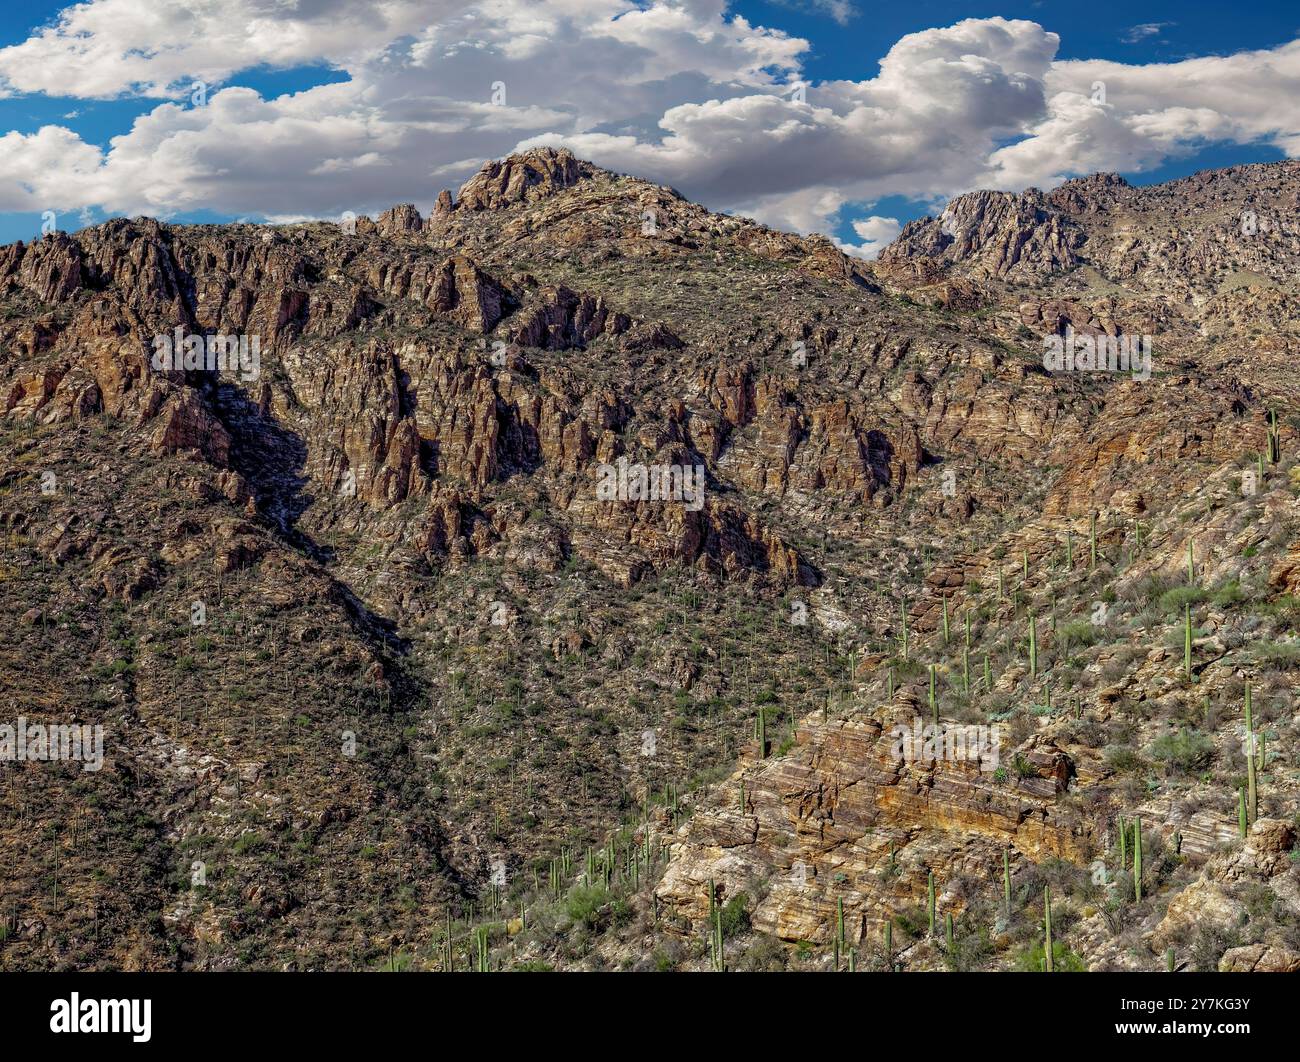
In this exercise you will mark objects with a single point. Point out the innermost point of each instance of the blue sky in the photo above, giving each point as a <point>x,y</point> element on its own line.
<point>408,112</point>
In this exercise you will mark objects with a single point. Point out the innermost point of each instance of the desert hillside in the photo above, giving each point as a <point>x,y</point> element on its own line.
<point>541,584</point>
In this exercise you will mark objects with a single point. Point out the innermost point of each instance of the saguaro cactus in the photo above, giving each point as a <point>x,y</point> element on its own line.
<point>1187,641</point>
<point>1047,928</point>
<point>1252,788</point>
<point>1033,645</point>
<point>1137,859</point>
<point>1006,881</point>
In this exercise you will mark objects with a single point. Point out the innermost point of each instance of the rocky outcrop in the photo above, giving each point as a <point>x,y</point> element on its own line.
<point>844,816</point>
<point>562,319</point>
<point>993,234</point>
<point>533,174</point>
<point>467,295</point>
<point>399,220</point>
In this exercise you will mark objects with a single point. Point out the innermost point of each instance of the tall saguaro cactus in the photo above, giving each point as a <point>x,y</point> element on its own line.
<point>1252,788</point>
<point>1047,928</point>
<point>929,891</point>
<point>1006,881</point>
<point>1137,859</point>
<point>1033,645</point>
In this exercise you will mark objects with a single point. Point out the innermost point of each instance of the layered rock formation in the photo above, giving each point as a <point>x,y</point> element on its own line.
<point>847,818</point>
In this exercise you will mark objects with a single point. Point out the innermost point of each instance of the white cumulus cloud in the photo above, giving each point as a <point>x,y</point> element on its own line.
<point>685,93</point>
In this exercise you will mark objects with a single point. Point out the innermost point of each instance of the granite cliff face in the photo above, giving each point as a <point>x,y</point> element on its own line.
<point>499,531</point>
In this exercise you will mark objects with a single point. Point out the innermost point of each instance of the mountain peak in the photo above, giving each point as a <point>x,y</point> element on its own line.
<point>525,175</point>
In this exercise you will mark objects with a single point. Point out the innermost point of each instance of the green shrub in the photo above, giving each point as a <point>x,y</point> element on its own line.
<point>1277,654</point>
<point>1184,750</point>
<point>1121,758</point>
<point>1230,593</point>
<point>1172,602</point>
<point>735,916</point>
<point>1076,635</point>
<point>1030,960</point>
<point>586,905</point>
